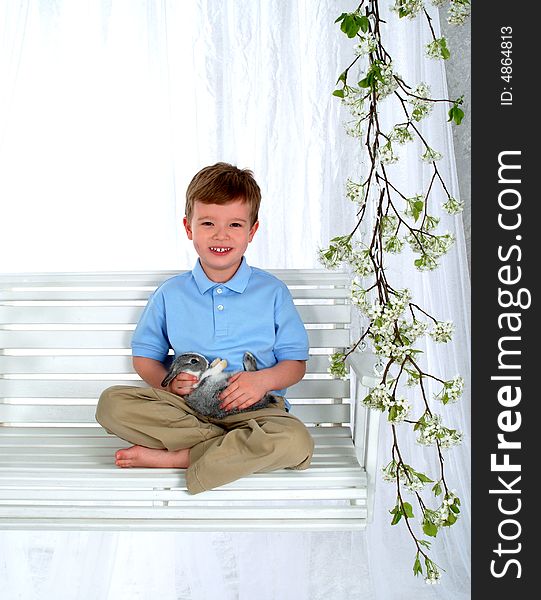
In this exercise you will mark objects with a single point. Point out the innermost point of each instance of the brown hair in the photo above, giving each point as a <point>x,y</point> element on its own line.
<point>223,183</point>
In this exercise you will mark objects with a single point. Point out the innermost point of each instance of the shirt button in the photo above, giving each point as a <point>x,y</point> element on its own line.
<point>219,290</point>
<point>220,307</point>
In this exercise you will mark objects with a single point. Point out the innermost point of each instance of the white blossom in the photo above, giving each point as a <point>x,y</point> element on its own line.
<point>431,431</point>
<point>438,49</point>
<point>442,331</point>
<point>388,84</point>
<point>430,222</point>
<point>361,262</point>
<point>430,247</point>
<point>353,100</point>
<point>337,367</point>
<point>421,107</point>
<point>400,134</point>
<point>407,8</point>
<point>354,128</point>
<point>433,574</point>
<point>388,224</point>
<point>358,295</point>
<point>386,154</point>
<point>338,251</point>
<point>453,206</point>
<point>393,244</point>
<point>407,475</point>
<point>451,391</point>
<point>366,45</point>
<point>431,155</point>
<point>355,192</point>
<point>459,11</point>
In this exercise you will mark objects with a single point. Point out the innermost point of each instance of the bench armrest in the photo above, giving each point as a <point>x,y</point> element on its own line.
<point>363,366</point>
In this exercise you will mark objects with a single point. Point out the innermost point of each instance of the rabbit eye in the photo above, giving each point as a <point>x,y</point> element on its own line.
<point>193,361</point>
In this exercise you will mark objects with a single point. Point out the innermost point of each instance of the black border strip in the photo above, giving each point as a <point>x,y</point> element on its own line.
<point>506,163</point>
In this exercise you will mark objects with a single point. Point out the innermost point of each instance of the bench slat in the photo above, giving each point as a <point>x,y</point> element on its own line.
<point>107,294</point>
<point>92,461</point>
<point>35,413</point>
<point>304,524</point>
<point>177,495</point>
<point>37,440</point>
<point>93,431</point>
<point>11,365</point>
<point>125,279</point>
<point>107,477</point>
<point>120,340</point>
<point>103,315</point>
<point>285,511</point>
<point>73,388</point>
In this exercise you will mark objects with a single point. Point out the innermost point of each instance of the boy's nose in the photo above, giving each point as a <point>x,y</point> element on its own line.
<point>220,233</point>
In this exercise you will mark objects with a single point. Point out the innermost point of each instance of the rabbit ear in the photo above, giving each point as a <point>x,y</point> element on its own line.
<point>249,362</point>
<point>168,378</point>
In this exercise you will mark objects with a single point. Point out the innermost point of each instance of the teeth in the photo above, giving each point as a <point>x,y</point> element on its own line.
<point>220,249</point>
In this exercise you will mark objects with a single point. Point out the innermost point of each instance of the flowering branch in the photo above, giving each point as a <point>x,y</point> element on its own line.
<point>395,323</point>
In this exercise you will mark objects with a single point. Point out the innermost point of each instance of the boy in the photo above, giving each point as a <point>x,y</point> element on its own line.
<point>221,308</point>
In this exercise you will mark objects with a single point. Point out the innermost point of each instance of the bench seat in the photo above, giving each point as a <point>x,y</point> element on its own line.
<point>43,478</point>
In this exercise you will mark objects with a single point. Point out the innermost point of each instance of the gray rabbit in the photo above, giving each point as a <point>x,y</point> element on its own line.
<point>212,380</point>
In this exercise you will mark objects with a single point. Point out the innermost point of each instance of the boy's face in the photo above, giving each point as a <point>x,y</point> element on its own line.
<point>220,234</point>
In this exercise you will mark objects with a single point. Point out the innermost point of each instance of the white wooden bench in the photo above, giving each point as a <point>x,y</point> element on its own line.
<point>65,337</point>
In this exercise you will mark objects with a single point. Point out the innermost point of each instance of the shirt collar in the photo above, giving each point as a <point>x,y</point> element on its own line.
<point>237,283</point>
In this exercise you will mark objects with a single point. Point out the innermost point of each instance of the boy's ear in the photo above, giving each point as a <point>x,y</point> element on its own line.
<point>253,229</point>
<point>187,227</point>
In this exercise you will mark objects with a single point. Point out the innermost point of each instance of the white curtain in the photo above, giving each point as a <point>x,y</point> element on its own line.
<point>107,109</point>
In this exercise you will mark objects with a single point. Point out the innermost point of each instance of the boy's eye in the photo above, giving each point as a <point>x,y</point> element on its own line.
<point>236,224</point>
<point>206,223</point>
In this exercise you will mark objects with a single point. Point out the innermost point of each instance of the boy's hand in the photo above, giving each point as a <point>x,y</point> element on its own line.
<point>244,389</point>
<point>182,384</point>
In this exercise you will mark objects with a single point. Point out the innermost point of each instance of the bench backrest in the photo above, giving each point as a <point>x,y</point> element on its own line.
<point>66,337</point>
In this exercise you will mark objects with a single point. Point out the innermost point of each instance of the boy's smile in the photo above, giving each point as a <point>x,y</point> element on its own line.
<point>220,234</point>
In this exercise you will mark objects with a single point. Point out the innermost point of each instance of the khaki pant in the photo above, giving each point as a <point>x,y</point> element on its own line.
<point>221,450</point>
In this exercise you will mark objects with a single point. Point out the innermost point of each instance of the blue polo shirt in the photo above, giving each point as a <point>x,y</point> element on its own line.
<point>253,311</point>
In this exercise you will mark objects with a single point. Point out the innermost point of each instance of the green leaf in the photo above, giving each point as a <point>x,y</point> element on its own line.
<point>424,543</point>
<point>417,568</point>
<point>451,520</point>
<point>396,518</point>
<point>445,54</point>
<point>430,529</point>
<point>455,508</point>
<point>408,510</point>
<point>339,93</point>
<point>341,17</point>
<point>365,24</point>
<point>350,25</point>
<point>423,477</point>
<point>437,489</point>
<point>343,77</point>
<point>416,208</point>
<point>456,114</point>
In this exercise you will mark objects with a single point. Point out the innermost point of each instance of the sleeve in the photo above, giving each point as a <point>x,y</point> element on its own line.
<point>150,338</point>
<point>291,339</point>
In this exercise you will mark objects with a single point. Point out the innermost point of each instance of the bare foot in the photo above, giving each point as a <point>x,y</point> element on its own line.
<point>139,456</point>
